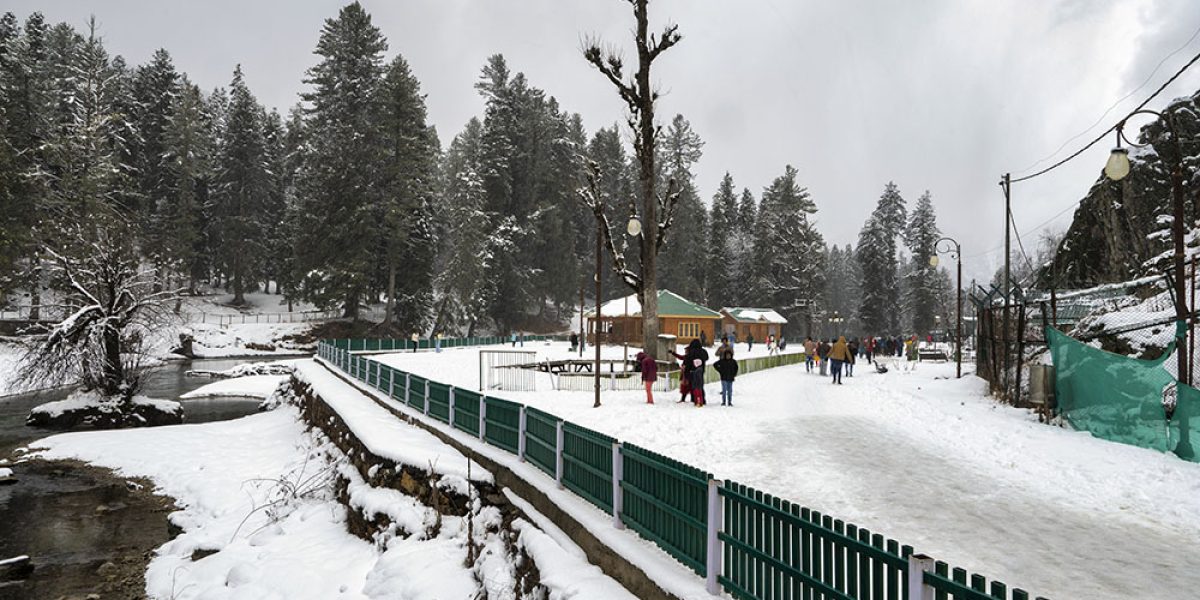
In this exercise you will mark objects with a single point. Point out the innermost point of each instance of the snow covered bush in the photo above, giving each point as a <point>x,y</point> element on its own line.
<point>105,412</point>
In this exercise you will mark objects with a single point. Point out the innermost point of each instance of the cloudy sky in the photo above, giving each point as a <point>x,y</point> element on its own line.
<point>938,95</point>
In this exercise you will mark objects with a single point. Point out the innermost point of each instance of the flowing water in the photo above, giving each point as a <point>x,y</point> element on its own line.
<point>86,530</point>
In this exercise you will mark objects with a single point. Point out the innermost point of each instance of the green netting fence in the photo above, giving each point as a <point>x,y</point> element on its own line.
<point>1124,399</point>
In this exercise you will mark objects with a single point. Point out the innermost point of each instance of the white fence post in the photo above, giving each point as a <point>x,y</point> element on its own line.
<point>713,557</point>
<point>918,564</point>
<point>426,397</point>
<point>451,394</point>
<point>391,382</point>
<point>521,435</point>
<point>407,389</point>
<point>482,418</point>
<point>618,473</point>
<point>558,454</point>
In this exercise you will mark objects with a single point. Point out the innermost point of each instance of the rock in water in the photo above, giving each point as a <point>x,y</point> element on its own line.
<point>17,567</point>
<point>92,409</point>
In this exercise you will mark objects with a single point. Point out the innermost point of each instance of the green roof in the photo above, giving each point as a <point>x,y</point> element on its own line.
<point>674,305</point>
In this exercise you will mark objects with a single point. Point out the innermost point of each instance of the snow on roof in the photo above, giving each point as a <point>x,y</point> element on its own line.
<point>669,304</point>
<point>754,315</point>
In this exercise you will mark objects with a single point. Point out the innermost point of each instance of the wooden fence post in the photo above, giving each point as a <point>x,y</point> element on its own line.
<point>558,454</point>
<point>918,564</point>
<point>618,473</point>
<point>521,435</point>
<point>713,543</point>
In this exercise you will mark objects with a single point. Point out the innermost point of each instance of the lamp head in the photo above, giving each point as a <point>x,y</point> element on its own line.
<point>1117,166</point>
<point>634,227</point>
<point>933,260</point>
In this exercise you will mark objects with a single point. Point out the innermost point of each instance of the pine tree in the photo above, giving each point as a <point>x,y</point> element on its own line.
<point>155,90</point>
<point>467,242</point>
<point>924,284</point>
<point>242,185</point>
<point>188,164</point>
<point>682,266</point>
<point>276,244</point>
<point>876,256</point>
<point>336,194</point>
<point>723,235</point>
<point>789,249</point>
<point>407,168</point>
<point>745,269</point>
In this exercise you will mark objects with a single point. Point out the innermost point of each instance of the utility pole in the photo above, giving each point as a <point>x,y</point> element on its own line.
<point>1007,184</point>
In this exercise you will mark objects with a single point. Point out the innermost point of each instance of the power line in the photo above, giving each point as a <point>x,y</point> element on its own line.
<point>1114,127</point>
<point>1118,102</point>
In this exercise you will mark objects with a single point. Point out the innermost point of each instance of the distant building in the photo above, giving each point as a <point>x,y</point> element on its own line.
<point>621,320</point>
<point>744,322</point>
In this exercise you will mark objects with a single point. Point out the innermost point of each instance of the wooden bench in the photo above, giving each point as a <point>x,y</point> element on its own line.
<point>924,355</point>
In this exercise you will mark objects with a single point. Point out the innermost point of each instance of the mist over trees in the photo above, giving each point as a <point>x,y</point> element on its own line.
<point>350,201</point>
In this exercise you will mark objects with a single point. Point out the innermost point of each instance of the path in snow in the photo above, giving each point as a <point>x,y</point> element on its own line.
<point>930,462</point>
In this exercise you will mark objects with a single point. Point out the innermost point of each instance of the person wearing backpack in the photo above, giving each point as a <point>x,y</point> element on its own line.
<point>728,368</point>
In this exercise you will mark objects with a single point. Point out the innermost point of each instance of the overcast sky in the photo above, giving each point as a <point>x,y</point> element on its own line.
<point>938,95</point>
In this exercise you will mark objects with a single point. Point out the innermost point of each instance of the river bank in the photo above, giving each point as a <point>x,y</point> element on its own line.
<point>87,529</point>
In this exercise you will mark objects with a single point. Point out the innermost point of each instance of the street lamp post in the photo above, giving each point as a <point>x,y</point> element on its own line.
<point>956,253</point>
<point>836,321</point>
<point>1116,169</point>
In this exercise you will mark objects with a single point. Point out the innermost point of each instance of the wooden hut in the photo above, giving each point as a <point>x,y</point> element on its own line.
<point>742,322</point>
<point>621,320</point>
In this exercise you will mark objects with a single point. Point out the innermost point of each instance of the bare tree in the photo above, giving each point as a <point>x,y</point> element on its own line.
<point>113,304</point>
<point>656,211</point>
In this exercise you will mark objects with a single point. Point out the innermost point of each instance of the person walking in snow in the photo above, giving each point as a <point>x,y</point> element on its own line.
<point>574,341</point>
<point>685,376</point>
<point>704,338</point>
<point>728,369</point>
<point>823,356</point>
<point>415,341</point>
<point>810,352</point>
<point>772,345</point>
<point>749,342</point>
<point>854,350</point>
<point>725,346</point>
<point>839,355</point>
<point>649,369</point>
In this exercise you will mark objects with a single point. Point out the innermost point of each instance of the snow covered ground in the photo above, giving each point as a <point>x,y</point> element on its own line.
<point>926,459</point>
<point>254,386</point>
<point>222,474</point>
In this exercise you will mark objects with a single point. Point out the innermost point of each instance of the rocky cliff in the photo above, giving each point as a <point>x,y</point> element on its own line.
<point>1121,230</point>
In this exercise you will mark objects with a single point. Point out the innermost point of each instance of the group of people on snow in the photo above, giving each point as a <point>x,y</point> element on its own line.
<point>833,358</point>
<point>691,376</point>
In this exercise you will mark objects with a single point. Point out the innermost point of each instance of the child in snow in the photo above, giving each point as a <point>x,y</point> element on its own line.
<point>728,369</point>
<point>649,370</point>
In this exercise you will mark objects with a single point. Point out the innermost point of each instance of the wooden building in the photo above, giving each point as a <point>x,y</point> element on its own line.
<point>621,320</point>
<point>742,322</point>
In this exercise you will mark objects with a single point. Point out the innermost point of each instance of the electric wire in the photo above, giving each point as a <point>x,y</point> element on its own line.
<point>1118,102</point>
<point>1115,125</point>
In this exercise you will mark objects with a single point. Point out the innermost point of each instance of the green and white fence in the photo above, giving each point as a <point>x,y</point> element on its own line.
<point>743,542</point>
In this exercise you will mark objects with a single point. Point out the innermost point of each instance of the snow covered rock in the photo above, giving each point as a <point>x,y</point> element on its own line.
<point>102,412</point>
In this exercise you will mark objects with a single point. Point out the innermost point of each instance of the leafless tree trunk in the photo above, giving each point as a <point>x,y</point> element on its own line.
<point>656,213</point>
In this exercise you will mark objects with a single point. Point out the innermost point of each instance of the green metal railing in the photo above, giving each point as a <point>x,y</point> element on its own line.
<point>541,440</point>
<point>439,401</point>
<point>747,543</point>
<point>502,424</point>
<point>466,411</point>
<point>587,464</point>
<point>666,502</point>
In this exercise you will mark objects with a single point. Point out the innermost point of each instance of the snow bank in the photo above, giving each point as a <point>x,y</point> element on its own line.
<point>921,457</point>
<point>382,433</point>
<point>254,386</point>
<point>92,408</point>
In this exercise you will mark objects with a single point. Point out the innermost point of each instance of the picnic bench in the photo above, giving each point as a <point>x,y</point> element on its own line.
<point>925,354</point>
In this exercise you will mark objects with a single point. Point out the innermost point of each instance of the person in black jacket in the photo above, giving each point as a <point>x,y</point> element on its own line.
<point>695,357</point>
<point>728,368</point>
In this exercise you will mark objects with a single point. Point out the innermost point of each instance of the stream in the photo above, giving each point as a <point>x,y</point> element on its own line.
<point>86,530</point>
